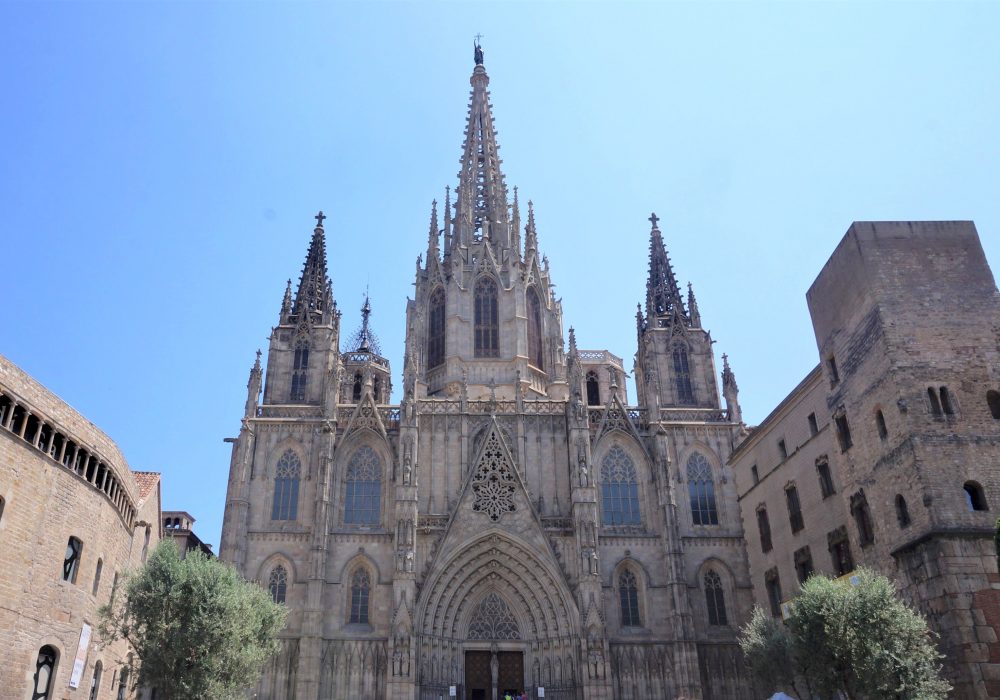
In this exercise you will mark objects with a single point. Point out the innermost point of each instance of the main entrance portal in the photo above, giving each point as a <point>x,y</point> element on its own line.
<point>486,671</point>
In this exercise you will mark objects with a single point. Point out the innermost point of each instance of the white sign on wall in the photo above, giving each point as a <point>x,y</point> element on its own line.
<point>81,657</point>
<point>452,691</point>
<point>541,692</point>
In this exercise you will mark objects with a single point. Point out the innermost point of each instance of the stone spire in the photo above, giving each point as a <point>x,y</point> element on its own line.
<point>286,303</point>
<point>664,306</point>
<point>731,392</point>
<point>253,388</point>
<point>515,225</point>
<point>482,193</point>
<point>530,234</point>
<point>693,312</point>
<point>314,300</point>
<point>447,221</point>
<point>364,339</point>
<point>433,234</point>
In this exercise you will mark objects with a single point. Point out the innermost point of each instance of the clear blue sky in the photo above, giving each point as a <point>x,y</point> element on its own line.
<point>162,164</point>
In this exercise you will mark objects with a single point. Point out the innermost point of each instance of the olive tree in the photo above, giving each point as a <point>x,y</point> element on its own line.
<point>197,628</point>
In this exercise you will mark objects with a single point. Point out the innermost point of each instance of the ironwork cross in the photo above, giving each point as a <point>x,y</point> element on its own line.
<point>479,38</point>
<point>654,218</point>
<point>319,219</point>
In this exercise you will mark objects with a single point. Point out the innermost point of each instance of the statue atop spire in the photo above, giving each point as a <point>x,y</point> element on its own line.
<point>478,52</point>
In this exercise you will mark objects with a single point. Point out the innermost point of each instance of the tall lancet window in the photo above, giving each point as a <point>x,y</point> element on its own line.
<point>487,319</point>
<point>361,586</point>
<point>628,592</point>
<point>286,487</point>
<point>277,584</point>
<point>435,328</point>
<point>364,486</point>
<point>534,329</point>
<point>299,366</point>
<point>701,489</point>
<point>715,599</point>
<point>619,489</point>
<point>593,389</point>
<point>682,375</point>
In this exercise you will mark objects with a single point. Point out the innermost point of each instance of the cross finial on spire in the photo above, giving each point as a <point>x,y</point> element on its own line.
<point>319,219</point>
<point>653,218</point>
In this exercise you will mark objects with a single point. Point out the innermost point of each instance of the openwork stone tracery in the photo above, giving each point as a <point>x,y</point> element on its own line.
<point>492,619</point>
<point>493,481</point>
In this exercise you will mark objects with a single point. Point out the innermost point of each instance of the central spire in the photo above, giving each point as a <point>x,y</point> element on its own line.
<point>314,299</point>
<point>481,210</point>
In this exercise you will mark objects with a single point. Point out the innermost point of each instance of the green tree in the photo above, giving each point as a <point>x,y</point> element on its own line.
<point>862,641</point>
<point>199,630</point>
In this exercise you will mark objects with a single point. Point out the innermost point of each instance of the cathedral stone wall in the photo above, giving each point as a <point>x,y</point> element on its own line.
<point>45,499</point>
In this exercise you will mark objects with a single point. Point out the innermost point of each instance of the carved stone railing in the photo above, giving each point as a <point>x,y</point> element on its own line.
<point>390,417</point>
<point>693,415</point>
<point>600,356</point>
<point>289,411</point>
<point>639,417</point>
<point>361,358</point>
<point>557,523</point>
<point>432,522</point>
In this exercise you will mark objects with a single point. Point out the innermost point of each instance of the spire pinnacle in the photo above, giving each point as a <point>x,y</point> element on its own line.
<point>447,220</point>
<point>364,340</point>
<point>314,298</point>
<point>482,194</point>
<point>663,295</point>
<point>433,233</point>
<point>515,224</point>
<point>693,312</point>
<point>530,234</point>
<point>286,301</point>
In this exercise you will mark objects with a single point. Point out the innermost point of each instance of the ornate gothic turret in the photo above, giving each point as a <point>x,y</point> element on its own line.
<point>364,365</point>
<point>303,352</point>
<point>675,364</point>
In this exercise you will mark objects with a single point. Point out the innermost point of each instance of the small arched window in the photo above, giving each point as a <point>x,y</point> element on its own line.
<point>2,504</point>
<point>123,679</point>
<point>883,431</point>
<point>628,592</point>
<point>435,328</point>
<point>45,666</point>
<point>361,585</point>
<point>946,403</point>
<point>534,328</point>
<point>356,394</point>
<point>286,487</point>
<point>277,583</point>
<point>487,319</point>
<point>593,389</point>
<point>95,681</point>
<point>975,497</point>
<point>682,375</point>
<point>377,388</point>
<point>145,543</point>
<point>97,576</point>
<point>935,403</point>
<point>364,488</point>
<point>715,599</point>
<point>993,401</point>
<point>902,512</point>
<point>71,562</point>
<point>619,489</point>
<point>701,489</point>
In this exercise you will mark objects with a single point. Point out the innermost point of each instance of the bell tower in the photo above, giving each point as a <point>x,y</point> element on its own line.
<point>485,316</point>
<point>674,367</point>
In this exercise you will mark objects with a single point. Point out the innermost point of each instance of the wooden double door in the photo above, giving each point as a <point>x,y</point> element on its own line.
<point>479,674</point>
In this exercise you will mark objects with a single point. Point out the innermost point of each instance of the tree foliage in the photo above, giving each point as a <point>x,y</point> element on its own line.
<point>198,628</point>
<point>862,641</point>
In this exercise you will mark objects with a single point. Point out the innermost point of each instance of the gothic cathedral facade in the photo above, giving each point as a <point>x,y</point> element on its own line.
<point>514,523</point>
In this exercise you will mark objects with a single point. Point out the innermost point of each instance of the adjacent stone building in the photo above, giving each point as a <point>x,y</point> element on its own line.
<point>888,453</point>
<point>178,525</point>
<point>513,523</point>
<point>72,517</point>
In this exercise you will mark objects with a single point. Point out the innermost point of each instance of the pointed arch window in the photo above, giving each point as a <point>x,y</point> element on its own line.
<point>45,665</point>
<point>356,394</point>
<point>902,512</point>
<point>286,487</point>
<point>715,599</point>
<point>628,596</point>
<point>534,329</point>
<point>299,366</point>
<point>593,389</point>
<point>487,319</point>
<point>277,583</point>
<point>364,487</point>
<point>682,375</point>
<point>619,489</point>
<point>361,585</point>
<point>71,562</point>
<point>95,682</point>
<point>701,489</point>
<point>435,328</point>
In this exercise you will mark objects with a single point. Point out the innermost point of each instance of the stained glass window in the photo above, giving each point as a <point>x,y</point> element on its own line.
<point>701,489</point>
<point>619,489</point>
<point>286,487</point>
<point>364,487</point>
